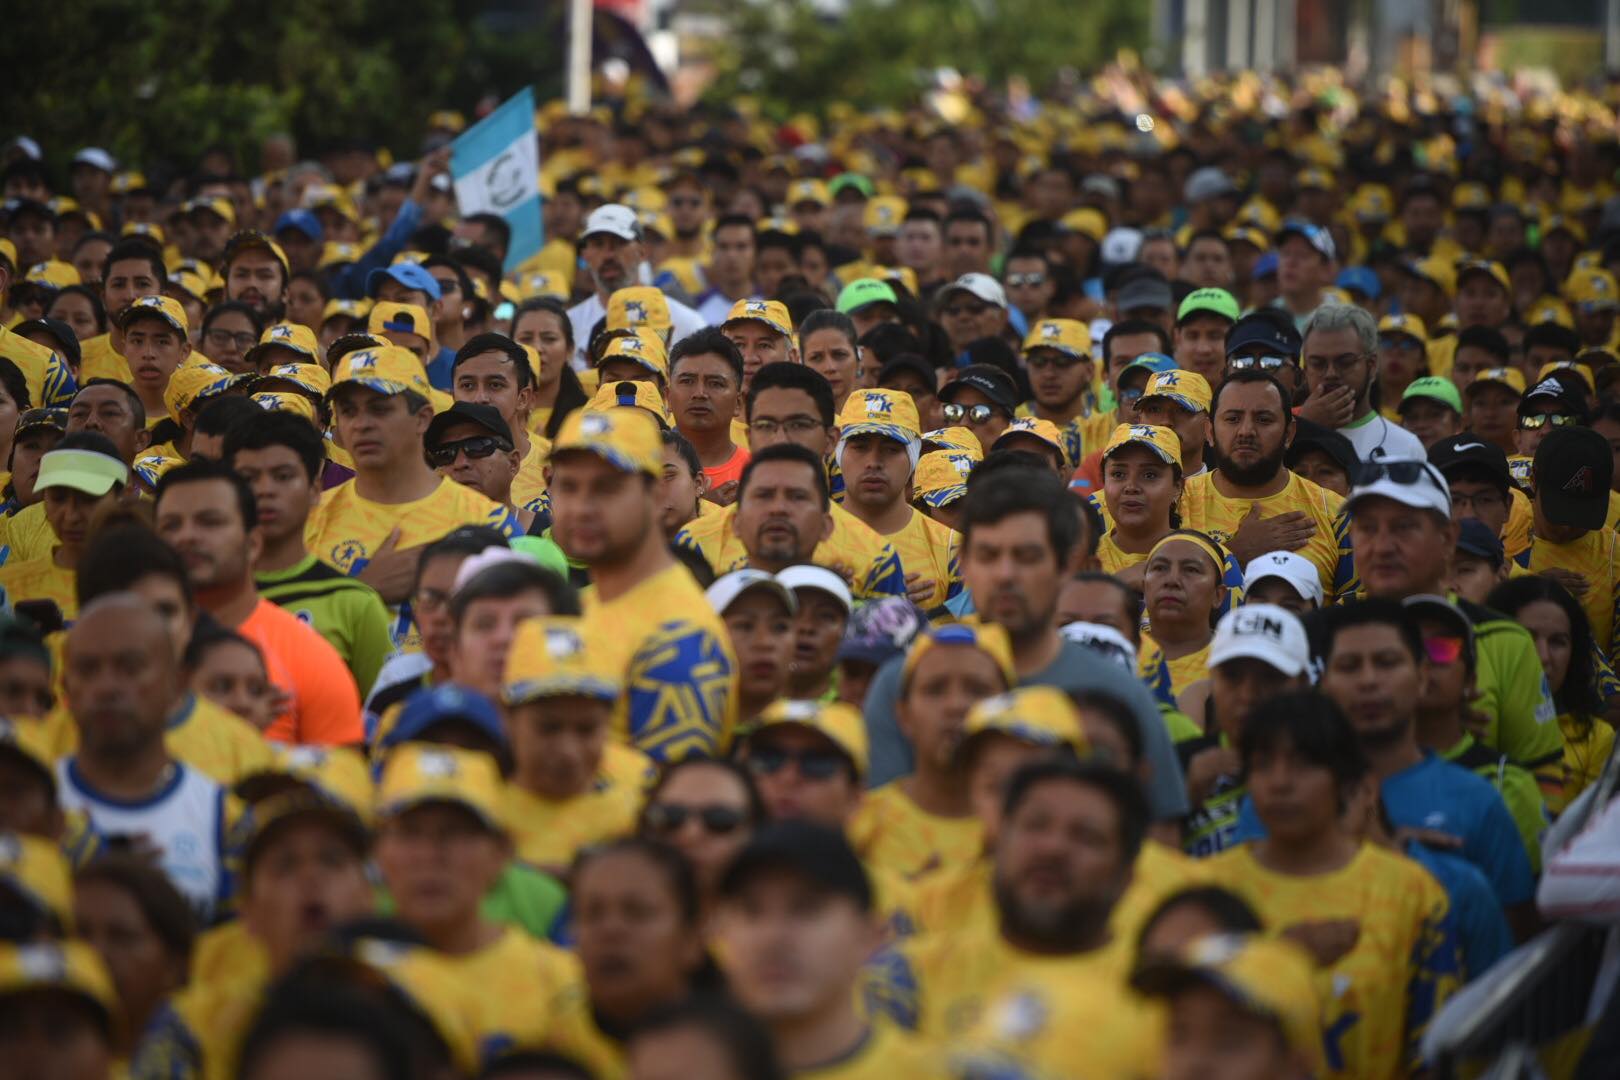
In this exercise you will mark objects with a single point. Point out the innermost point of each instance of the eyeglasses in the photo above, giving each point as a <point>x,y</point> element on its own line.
<point>812,764</point>
<point>222,338</point>
<point>1263,363</point>
<point>1127,396</point>
<point>973,414</point>
<point>430,599</point>
<point>1443,650</point>
<point>965,311</point>
<point>1343,363</point>
<point>1541,420</point>
<point>793,425</point>
<point>1031,281</point>
<point>667,818</point>
<point>1483,500</point>
<point>477,447</point>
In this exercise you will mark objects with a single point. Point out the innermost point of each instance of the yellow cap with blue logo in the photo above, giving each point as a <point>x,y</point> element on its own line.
<point>988,638</point>
<point>417,774</point>
<point>388,369</point>
<point>1188,389</point>
<point>880,412</point>
<point>628,394</point>
<point>165,309</point>
<point>35,870</point>
<point>1039,715</point>
<point>1591,289</point>
<point>839,723</point>
<point>390,316</point>
<point>1162,441</point>
<point>639,306</point>
<point>551,657</point>
<point>958,440</point>
<point>641,346</point>
<point>1033,427</point>
<point>309,378</point>
<point>60,967</point>
<point>1406,325</point>
<point>941,477</point>
<point>194,381</point>
<point>293,337</point>
<point>626,438</point>
<point>1070,337</point>
<point>773,313</point>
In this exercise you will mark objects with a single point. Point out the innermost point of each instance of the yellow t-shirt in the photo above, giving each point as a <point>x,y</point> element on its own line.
<point>1516,533</point>
<point>228,951</point>
<point>512,984</point>
<point>1378,998</point>
<point>929,548</point>
<point>1168,679</point>
<point>99,360</point>
<point>26,535</point>
<point>1112,558</point>
<point>574,1032</point>
<point>211,739</point>
<point>346,528</point>
<point>530,482</point>
<point>679,673</point>
<point>1595,558</point>
<point>885,1054</point>
<point>1442,352</point>
<point>40,579</point>
<point>547,833</point>
<point>1207,510</point>
<point>1586,749</point>
<point>47,375</point>
<point>893,832</point>
<point>853,546</point>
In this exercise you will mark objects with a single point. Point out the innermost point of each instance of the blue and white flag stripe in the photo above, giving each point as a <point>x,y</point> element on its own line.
<point>496,166</point>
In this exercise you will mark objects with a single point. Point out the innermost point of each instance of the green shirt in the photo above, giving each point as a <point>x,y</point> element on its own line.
<point>524,897</point>
<point>347,613</point>
<point>1513,692</point>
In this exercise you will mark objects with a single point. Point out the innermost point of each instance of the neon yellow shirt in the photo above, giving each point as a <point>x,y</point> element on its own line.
<point>40,579</point>
<point>893,832</point>
<point>1207,510</point>
<point>547,833</point>
<point>929,548</point>
<point>853,545</point>
<point>1595,558</point>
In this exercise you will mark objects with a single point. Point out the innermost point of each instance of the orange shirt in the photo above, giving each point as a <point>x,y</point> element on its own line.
<point>731,470</point>
<point>326,702</point>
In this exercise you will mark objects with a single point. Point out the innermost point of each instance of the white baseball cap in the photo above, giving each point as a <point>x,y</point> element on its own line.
<point>96,157</point>
<point>1263,632</point>
<point>806,576</point>
<point>982,286</point>
<point>1121,246</point>
<point>1296,569</point>
<point>1110,643</point>
<point>473,565</point>
<point>615,219</point>
<point>728,587</point>
<point>1409,481</point>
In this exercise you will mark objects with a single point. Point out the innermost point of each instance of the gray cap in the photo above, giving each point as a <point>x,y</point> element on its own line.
<point>1207,183</point>
<point>1144,291</point>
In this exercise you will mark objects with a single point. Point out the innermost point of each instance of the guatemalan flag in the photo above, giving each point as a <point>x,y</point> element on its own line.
<point>496,165</point>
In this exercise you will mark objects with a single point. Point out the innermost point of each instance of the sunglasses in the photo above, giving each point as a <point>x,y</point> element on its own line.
<point>1032,281</point>
<point>812,764</point>
<point>667,818</point>
<point>478,447</point>
<point>1443,650</point>
<point>1401,472</point>
<point>1263,363</point>
<point>973,414</point>
<point>1541,420</point>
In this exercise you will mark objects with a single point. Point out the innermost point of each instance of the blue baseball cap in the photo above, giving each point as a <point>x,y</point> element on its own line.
<point>1359,279</point>
<point>1475,537</point>
<point>409,274</point>
<point>435,705</point>
<point>304,221</point>
<point>1264,266</point>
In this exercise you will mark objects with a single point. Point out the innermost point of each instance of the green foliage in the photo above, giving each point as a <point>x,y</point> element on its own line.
<point>882,52</point>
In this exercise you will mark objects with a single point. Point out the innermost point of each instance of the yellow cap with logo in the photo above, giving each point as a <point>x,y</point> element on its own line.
<point>839,723</point>
<point>417,774</point>
<point>387,369</point>
<point>338,254</point>
<point>639,306</point>
<point>773,313</point>
<point>807,191</point>
<point>988,638</point>
<point>640,345</point>
<point>310,378</point>
<point>1591,289</point>
<point>1494,270</point>
<point>1033,427</point>
<point>166,309</point>
<point>1188,389</point>
<point>958,440</point>
<point>883,215</point>
<point>35,869</point>
<point>1581,370</point>
<point>400,318</point>
<point>628,394</point>
<point>1407,325</point>
<point>1087,221</point>
<point>1070,337</point>
<point>338,772</point>
<point>349,309</point>
<point>891,413</point>
<point>192,382</point>
<point>543,283</point>
<point>551,657</point>
<point>286,401</point>
<point>1040,715</point>
<point>1440,273</point>
<point>941,477</point>
<point>60,967</point>
<point>1164,443</point>
<point>1512,378</point>
<point>627,439</point>
<point>53,274</point>
<point>293,337</point>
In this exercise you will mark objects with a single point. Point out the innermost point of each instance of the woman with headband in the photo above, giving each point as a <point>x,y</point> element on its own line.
<point>1185,593</point>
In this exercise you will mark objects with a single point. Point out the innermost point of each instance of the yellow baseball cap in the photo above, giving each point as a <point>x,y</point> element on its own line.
<point>1407,325</point>
<point>419,773</point>
<point>193,381</point>
<point>640,306</point>
<point>1549,309</point>
<point>192,284</point>
<point>150,467</point>
<point>352,309</point>
<point>8,252</point>
<point>1560,223</point>
<point>1247,234</point>
<point>1188,389</point>
<point>400,318</point>
<point>310,378</point>
<point>627,439</point>
<point>1041,715</point>
<point>53,274</point>
<point>1372,203</point>
<point>165,308</point>
<point>629,394</point>
<point>941,477</point>
<point>1266,975</point>
<point>988,638</point>
<point>1087,221</point>
<point>550,657</point>
<point>807,191</point>
<point>250,239</point>
<point>544,283</point>
<point>883,215</point>
<point>35,869</point>
<point>218,205</point>
<point>1493,270</point>
<point>1512,378</point>
<point>273,814</point>
<point>1591,290</point>
<point>958,440</point>
<point>334,253</point>
<point>839,723</point>
<point>1579,369</point>
<point>880,412</point>
<point>642,346</point>
<point>773,313</point>
<point>60,967</point>
<point>1314,176</point>
<point>1436,271</point>
<point>1067,336</point>
<point>387,369</point>
<point>286,401</point>
<point>1033,427</point>
<point>1161,440</point>
<point>148,229</point>
<point>1470,195</point>
<point>294,337</point>
<point>340,773</point>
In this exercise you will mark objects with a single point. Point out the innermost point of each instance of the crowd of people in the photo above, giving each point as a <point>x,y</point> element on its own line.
<point>1116,587</point>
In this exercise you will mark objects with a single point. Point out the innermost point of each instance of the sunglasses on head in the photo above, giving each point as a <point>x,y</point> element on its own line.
<point>478,446</point>
<point>812,764</point>
<point>1443,650</point>
<point>1541,420</point>
<point>973,414</point>
<point>666,818</point>
<point>1401,472</point>
<point>1262,363</point>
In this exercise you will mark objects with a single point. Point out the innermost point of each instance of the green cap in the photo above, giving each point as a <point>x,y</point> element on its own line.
<point>545,551</point>
<point>859,181</point>
<point>1215,301</point>
<point>1433,386</point>
<point>863,292</point>
<point>82,470</point>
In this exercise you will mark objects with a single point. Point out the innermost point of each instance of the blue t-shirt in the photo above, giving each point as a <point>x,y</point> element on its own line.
<point>1435,794</point>
<point>1482,929</point>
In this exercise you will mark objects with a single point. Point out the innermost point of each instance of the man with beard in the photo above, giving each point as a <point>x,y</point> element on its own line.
<point>255,273</point>
<point>206,513</point>
<point>1340,358</point>
<point>613,254</point>
<point>1251,503</point>
<point>783,510</point>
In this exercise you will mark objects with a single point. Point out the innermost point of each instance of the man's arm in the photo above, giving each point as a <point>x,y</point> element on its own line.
<point>350,282</point>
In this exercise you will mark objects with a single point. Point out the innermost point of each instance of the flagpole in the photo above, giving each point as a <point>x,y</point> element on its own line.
<point>579,56</point>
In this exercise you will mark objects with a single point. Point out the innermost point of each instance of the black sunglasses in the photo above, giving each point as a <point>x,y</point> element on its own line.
<point>666,818</point>
<point>812,764</point>
<point>1401,472</point>
<point>478,446</point>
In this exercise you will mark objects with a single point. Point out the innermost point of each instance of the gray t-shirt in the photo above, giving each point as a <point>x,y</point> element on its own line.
<point>1076,668</point>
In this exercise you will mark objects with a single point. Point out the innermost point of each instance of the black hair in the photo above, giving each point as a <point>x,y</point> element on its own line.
<point>466,541</point>
<point>789,376</point>
<point>922,213</point>
<point>483,260</point>
<point>1225,908</point>
<point>1030,253</point>
<point>168,913</point>
<point>826,318</point>
<point>526,1063</point>
<point>492,223</point>
<point>506,579</point>
<point>801,301</point>
<point>1120,788</point>
<point>1022,489</point>
<point>1255,375</point>
<point>209,634</point>
<point>1578,696</point>
<point>1133,599</point>
<point>98,310</point>
<point>200,470</point>
<point>16,384</point>
<point>1550,333</point>
<point>1131,327</point>
<point>273,427</point>
<point>678,873</point>
<point>969,214</point>
<point>736,1032</point>
<point>118,556</point>
<point>224,413</point>
<point>708,341</point>
<point>788,452</point>
<point>228,307</point>
<point>756,813</point>
<point>305,1003</point>
<point>695,564</point>
<point>1489,339</point>
<point>131,249</point>
<point>683,449</point>
<point>479,344</point>
<point>1317,729</point>
<point>1373,611</point>
<point>736,221</point>
<point>1120,716</point>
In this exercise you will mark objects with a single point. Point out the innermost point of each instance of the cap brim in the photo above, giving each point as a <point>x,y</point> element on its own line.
<point>90,483</point>
<point>772,323</point>
<point>892,431</point>
<point>386,387</point>
<point>527,690</point>
<point>608,453</point>
<point>1159,452</point>
<point>1185,402</point>
<point>1416,496</point>
<point>1254,650</point>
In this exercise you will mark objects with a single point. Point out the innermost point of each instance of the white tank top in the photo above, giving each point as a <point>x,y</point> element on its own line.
<point>185,821</point>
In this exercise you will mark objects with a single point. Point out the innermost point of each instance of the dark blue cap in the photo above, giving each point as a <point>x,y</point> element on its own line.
<point>304,221</point>
<point>409,274</point>
<point>1277,336</point>
<point>435,705</point>
<point>1476,538</point>
<point>881,629</point>
<point>1264,266</point>
<point>1360,279</point>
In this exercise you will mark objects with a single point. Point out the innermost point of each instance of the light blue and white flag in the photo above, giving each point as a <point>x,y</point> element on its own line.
<point>496,166</point>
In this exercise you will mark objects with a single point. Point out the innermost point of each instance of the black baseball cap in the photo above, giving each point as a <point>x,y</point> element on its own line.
<point>992,382</point>
<point>1467,450</point>
<point>1312,436</point>
<point>820,855</point>
<point>1573,470</point>
<point>908,364</point>
<point>468,412</point>
<point>1571,399</point>
<point>67,342</point>
<point>1267,331</point>
<point>1475,537</point>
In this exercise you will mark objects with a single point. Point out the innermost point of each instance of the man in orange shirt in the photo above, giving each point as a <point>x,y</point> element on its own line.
<point>207,514</point>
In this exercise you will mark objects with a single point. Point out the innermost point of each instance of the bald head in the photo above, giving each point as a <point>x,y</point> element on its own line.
<point>120,675</point>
